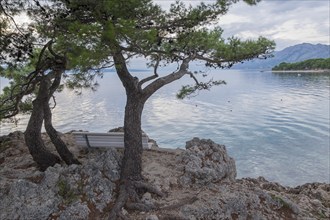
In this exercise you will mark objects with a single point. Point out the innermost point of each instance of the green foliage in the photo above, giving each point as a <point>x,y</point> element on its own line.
<point>17,97</point>
<point>190,90</point>
<point>281,202</point>
<point>78,81</point>
<point>311,64</point>
<point>139,27</point>
<point>89,34</point>
<point>66,192</point>
<point>11,97</point>
<point>15,40</point>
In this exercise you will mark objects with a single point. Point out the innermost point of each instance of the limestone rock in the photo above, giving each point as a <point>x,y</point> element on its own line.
<point>206,162</point>
<point>152,142</point>
<point>199,183</point>
<point>67,192</point>
<point>119,129</point>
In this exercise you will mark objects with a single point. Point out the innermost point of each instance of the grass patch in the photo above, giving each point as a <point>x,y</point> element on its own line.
<point>280,201</point>
<point>66,192</point>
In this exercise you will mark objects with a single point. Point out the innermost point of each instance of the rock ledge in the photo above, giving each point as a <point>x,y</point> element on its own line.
<point>199,181</point>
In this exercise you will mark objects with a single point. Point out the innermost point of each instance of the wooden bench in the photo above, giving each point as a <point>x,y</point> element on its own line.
<point>110,139</point>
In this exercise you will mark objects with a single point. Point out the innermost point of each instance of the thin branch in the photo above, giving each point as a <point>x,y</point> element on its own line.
<point>150,77</point>
<point>42,53</point>
<point>11,18</point>
<point>56,83</point>
<point>200,57</point>
<point>192,76</point>
<point>54,100</point>
<point>102,67</point>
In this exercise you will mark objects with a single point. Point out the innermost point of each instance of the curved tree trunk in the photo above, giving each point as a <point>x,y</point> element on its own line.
<point>32,135</point>
<point>60,146</point>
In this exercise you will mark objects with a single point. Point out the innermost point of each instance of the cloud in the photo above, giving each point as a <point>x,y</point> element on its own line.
<point>286,22</point>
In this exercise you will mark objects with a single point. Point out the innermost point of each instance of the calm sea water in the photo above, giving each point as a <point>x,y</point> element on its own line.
<point>274,125</point>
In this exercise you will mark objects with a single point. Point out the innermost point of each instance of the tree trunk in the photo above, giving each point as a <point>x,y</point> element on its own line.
<point>132,160</point>
<point>32,135</point>
<point>60,146</point>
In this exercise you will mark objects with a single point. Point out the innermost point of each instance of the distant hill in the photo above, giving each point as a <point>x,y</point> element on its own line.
<point>296,53</point>
<point>311,64</point>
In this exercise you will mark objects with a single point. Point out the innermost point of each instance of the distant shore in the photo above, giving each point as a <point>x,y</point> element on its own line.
<point>300,71</point>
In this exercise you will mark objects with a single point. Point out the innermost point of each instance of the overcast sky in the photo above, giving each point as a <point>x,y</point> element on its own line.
<point>288,22</point>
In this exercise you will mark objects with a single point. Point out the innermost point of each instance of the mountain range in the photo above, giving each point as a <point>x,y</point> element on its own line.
<point>292,54</point>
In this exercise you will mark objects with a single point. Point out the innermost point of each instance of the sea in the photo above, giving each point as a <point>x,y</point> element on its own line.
<point>274,125</point>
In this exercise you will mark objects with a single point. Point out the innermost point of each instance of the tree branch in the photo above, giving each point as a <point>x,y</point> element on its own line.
<point>195,79</point>
<point>150,77</point>
<point>11,18</point>
<point>157,84</point>
<point>54,100</point>
<point>120,64</point>
<point>56,83</point>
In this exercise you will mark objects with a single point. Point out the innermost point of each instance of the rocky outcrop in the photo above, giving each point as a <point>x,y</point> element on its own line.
<point>61,192</point>
<point>205,162</point>
<point>152,142</point>
<point>199,182</point>
<point>64,192</point>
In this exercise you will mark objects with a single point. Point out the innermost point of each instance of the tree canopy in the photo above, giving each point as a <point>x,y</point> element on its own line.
<point>84,36</point>
<point>35,69</point>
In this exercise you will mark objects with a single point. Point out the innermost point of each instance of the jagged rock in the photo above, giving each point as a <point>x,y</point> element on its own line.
<point>153,143</point>
<point>119,129</point>
<point>238,201</point>
<point>76,211</point>
<point>206,162</point>
<point>67,192</point>
<point>199,184</point>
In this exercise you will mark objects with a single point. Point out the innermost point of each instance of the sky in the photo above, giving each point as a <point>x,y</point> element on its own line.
<point>288,22</point>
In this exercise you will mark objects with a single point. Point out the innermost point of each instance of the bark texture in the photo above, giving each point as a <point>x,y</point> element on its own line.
<point>40,154</point>
<point>132,160</point>
<point>42,113</point>
<point>131,180</point>
<point>60,146</point>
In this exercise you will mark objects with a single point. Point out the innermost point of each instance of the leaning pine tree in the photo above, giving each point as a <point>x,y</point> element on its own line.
<point>116,32</point>
<point>35,74</point>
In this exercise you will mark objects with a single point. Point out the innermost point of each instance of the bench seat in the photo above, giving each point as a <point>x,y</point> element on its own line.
<point>111,139</point>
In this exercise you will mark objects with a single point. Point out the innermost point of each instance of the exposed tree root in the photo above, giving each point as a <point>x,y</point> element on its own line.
<point>140,207</point>
<point>129,197</point>
<point>149,188</point>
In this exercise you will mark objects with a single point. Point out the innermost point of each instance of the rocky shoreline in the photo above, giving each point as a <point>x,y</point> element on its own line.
<point>200,183</point>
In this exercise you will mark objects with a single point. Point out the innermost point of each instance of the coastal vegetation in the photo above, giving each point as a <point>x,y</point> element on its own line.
<point>86,36</point>
<point>311,64</point>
